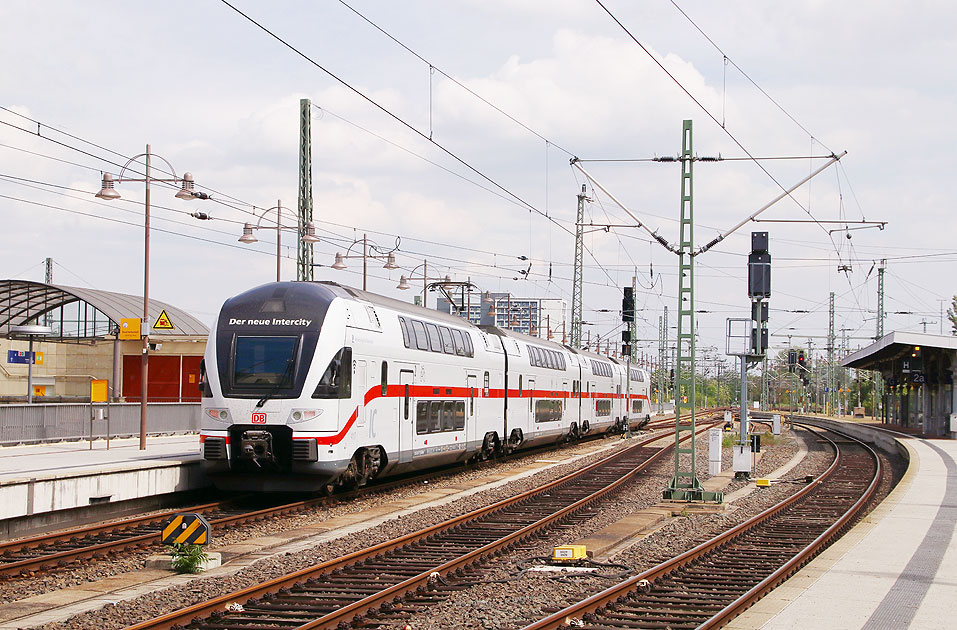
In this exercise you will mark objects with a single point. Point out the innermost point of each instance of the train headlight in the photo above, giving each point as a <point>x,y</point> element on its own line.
<point>219,415</point>
<point>303,415</point>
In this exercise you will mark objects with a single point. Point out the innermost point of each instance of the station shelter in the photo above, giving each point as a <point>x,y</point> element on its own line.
<point>85,344</point>
<point>918,371</point>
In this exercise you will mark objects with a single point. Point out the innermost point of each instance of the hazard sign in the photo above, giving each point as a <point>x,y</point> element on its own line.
<point>163,322</point>
<point>186,528</point>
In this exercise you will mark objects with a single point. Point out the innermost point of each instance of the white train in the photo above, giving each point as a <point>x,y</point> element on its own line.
<point>312,385</point>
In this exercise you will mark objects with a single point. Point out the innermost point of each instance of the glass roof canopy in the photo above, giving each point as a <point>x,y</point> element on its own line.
<point>79,314</point>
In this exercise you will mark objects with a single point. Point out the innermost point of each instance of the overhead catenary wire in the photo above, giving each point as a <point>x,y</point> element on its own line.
<point>434,68</point>
<point>708,113</point>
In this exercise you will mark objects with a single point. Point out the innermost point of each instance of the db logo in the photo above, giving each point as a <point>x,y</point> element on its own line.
<point>259,418</point>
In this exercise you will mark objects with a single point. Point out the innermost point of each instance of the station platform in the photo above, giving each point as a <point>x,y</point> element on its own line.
<point>895,569</point>
<point>43,484</point>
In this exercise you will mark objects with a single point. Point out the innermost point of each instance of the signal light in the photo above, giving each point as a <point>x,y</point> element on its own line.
<point>628,305</point>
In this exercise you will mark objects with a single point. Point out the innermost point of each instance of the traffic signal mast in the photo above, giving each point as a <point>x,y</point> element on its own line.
<point>759,290</point>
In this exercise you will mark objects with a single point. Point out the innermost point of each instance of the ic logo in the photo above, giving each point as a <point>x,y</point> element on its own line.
<point>259,418</point>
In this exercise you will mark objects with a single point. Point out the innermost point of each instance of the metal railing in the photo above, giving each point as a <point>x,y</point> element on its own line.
<point>71,421</point>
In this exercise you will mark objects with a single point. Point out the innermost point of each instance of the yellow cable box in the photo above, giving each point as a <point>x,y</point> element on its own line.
<point>569,553</point>
<point>763,483</point>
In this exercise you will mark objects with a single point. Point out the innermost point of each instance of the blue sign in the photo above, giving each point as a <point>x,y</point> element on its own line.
<point>20,356</point>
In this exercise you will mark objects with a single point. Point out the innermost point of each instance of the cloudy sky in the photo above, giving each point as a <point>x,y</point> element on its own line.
<point>217,96</point>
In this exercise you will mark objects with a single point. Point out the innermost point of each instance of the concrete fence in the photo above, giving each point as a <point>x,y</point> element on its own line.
<point>52,422</point>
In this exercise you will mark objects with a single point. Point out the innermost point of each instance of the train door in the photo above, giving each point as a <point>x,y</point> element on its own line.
<point>406,413</point>
<point>531,401</point>
<point>471,423</point>
<point>359,387</point>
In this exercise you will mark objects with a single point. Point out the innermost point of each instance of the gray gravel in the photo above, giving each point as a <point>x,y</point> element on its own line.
<point>523,595</point>
<point>126,613</point>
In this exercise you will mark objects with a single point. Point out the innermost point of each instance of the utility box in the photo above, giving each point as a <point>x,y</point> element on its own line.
<point>569,553</point>
<point>742,459</point>
<point>715,436</point>
<point>776,424</point>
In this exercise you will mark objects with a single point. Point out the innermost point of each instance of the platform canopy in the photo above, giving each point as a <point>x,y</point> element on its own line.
<point>893,346</point>
<point>77,314</point>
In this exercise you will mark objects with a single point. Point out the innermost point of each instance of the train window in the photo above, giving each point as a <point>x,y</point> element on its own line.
<point>459,415</point>
<point>422,417</point>
<point>406,334</point>
<point>458,342</point>
<point>336,381</point>
<point>385,378</point>
<point>406,406</point>
<point>561,358</point>
<point>485,393</point>
<point>469,350</point>
<point>205,390</point>
<point>435,343</point>
<point>548,411</point>
<point>435,416</point>
<point>421,337</point>
<point>519,385</point>
<point>603,407</point>
<point>265,362</point>
<point>636,406</point>
<point>447,346</point>
<point>448,415</point>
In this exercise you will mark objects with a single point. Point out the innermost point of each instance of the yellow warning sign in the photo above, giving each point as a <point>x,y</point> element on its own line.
<point>186,529</point>
<point>129,328</point>
<point>163,322</point>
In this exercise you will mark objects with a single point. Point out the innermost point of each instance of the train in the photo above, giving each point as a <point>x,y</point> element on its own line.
<point>314,386</point>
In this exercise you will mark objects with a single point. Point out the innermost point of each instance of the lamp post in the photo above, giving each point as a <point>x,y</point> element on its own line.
<point>108,193</point>
<point>365,255</point>
<point>309,234</point>
<point>404,280</point>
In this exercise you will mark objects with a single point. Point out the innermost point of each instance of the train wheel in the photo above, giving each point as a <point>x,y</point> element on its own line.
<point>488,447</point>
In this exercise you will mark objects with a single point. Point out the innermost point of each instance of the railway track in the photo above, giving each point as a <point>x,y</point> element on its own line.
<point>709,585</point>
<point>49,551</point>
<point>390,578</point>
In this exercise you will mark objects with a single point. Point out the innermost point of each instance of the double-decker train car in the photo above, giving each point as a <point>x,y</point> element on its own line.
<point>313,385</point>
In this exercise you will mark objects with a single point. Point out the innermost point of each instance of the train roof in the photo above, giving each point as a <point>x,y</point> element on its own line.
<point>397,305</point>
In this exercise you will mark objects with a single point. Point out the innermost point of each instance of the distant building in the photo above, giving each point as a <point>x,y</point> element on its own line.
<point>531,316</point>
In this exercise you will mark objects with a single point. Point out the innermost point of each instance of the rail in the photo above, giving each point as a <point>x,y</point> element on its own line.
<point>710,598</point>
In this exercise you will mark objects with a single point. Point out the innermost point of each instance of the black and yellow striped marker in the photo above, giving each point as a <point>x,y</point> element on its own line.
<point>186,528</point>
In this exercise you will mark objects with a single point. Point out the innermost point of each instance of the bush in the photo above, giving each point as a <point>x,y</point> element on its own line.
<point>188,558</point>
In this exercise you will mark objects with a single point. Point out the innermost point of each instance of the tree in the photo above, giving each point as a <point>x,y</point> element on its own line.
<point>952,316</point>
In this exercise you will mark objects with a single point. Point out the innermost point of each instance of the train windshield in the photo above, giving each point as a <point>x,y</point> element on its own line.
<point>265,362</point>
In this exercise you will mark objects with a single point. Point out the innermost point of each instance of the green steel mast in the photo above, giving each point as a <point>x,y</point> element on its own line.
<point>576,334</point>
<point>304,257</point>
<point>684,485</point>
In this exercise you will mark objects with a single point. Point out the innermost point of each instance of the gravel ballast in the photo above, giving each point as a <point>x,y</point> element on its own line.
<point>521,597</point>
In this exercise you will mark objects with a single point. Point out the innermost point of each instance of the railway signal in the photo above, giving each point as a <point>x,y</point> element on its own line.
<point>186,529</point>
<point>628,305</point>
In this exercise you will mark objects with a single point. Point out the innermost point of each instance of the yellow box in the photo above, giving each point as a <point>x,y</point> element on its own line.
<point>99,390</point>
<point>569,553</point>
<point>763,483</point>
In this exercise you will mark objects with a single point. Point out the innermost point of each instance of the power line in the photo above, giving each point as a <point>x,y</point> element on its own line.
<point>433,67</point>
<point>746,76</point>
<point>703,108</point>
